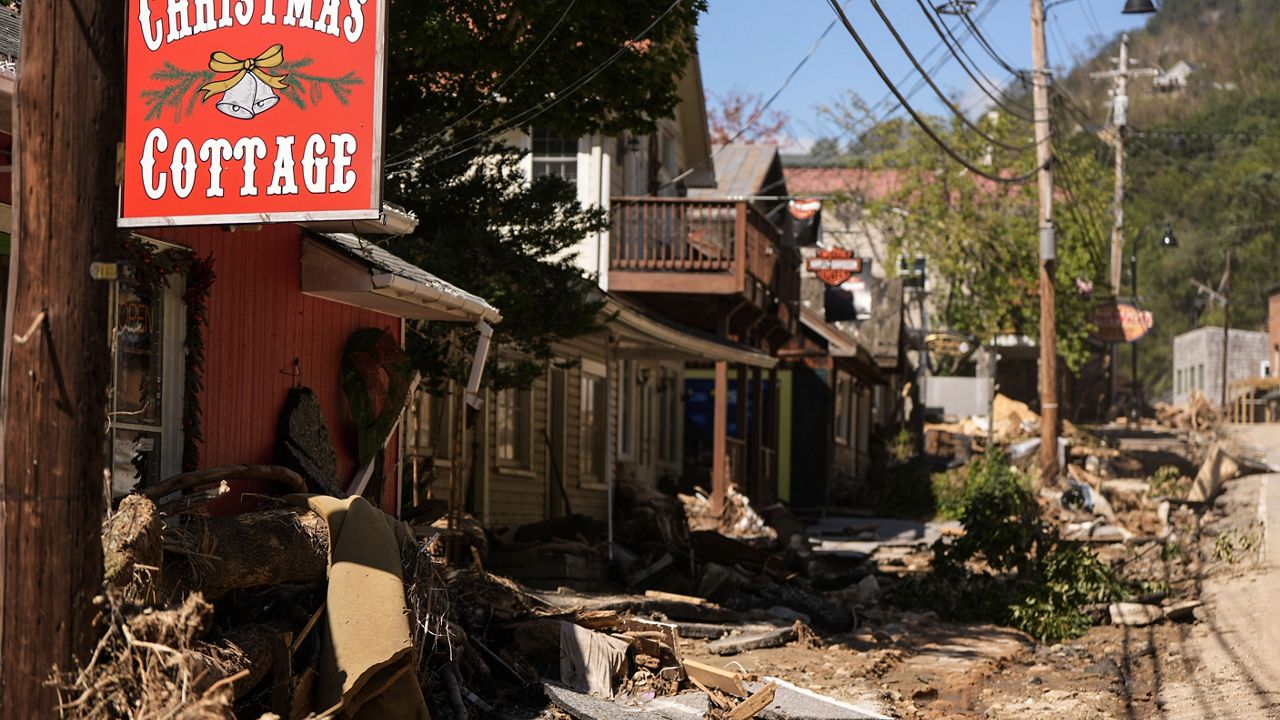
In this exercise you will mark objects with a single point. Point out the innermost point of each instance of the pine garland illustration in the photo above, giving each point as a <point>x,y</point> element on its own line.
<point>179,89</point>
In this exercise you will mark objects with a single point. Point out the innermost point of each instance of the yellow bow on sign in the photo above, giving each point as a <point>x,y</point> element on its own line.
<point>222,63</point>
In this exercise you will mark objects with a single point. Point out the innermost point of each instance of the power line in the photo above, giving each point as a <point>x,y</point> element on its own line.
<point>760,111</point>
<point>938,91</point>
<point>924,126</point>
<point>1087,8</point>
<point>543,106</point>
<point>986,45</point>
<point>875,117</point>
<point>956,52</point>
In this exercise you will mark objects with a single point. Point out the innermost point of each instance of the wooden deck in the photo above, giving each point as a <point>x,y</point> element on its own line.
<point>700,247</point>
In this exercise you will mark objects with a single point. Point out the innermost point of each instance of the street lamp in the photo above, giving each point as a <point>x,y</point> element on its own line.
<point>1168,240</point>
<point>1139,7</point>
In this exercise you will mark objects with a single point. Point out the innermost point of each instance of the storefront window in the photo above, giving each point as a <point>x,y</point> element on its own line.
<point>145,403</point>
<point>515,426</point>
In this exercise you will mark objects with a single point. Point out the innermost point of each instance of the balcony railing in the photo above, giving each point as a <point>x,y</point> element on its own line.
<point>714,247</point>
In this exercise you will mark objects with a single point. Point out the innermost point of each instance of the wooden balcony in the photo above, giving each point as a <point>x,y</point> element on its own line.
<point>702,247</point>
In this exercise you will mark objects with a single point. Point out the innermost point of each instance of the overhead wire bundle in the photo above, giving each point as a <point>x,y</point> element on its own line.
<point>916,116</point>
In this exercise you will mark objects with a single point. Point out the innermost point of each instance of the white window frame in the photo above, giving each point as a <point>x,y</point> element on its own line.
<point>627,409</point>
<point>592,371</point>
<point>522,406</point>
<point>172,375</point>
<point>563,159</point>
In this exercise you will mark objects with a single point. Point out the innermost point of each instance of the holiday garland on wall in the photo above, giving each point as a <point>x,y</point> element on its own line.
<point>180,88</point>
<point>152,269</point>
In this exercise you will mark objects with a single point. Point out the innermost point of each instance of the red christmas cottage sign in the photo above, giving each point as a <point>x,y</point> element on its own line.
<point>253,111</point>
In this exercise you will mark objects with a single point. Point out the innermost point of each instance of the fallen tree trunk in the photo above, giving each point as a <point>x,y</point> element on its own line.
<point>268,547</point>
<point>130,539</point>
<point>212,476</point>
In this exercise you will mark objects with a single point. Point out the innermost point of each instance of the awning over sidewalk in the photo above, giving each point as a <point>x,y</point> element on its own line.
<point>643,335</point>
<point>343,268</point>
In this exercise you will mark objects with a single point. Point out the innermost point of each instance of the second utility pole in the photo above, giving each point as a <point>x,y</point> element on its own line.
<point>1120,120</point>
<point>1048,252</point>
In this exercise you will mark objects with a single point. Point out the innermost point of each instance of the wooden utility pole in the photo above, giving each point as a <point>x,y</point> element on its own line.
<point>69,109</point>
<point>1120,123</point>
<point>1048,252</point>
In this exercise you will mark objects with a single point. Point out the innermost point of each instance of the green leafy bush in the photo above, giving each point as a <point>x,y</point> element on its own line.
<point>1168,481</point>
<point>1069,578</point>
<point>1008,567</point>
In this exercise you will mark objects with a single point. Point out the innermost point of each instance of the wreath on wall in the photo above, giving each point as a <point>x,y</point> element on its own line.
<point>152,268</point>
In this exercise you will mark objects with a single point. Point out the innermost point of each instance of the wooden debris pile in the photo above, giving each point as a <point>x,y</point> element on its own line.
<point>1198,415</point>
<point>738,519</point>
<point>223,616</point>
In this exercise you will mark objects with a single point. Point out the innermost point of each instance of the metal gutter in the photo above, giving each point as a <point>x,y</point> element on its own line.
<point>389,283</point>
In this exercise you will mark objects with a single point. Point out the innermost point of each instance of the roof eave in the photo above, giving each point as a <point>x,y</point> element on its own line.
<point>462,304</point>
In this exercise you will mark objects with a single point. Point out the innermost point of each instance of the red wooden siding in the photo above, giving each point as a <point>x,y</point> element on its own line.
<point>259,322</point>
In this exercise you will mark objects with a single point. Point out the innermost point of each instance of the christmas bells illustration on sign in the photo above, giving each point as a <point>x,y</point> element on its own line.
<point>251,90</point>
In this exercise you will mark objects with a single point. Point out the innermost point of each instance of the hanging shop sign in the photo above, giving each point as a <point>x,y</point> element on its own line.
<point>948,344</point>
<point>1119,322</point>
<point>253,111</point>
<point>834,266</point>
<point>848,279</point>
<point>802,224</point>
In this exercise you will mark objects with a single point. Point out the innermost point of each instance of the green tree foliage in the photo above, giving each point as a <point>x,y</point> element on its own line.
<point>980,237</point>
<point>462,77</point>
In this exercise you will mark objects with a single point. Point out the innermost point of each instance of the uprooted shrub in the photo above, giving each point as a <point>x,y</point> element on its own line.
<point>1008,567</point>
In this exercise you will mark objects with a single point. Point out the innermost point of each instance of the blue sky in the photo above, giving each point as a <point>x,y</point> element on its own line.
<point>752,45</point>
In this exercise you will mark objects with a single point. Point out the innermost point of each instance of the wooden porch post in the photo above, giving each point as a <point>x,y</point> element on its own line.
<point>742,474</point>
<point>719,444</point>
<point>755,440</point>
<point>69,112</point>
<point>774,433</point>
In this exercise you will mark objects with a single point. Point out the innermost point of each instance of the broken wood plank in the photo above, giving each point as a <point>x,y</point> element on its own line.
<point>750,707</point>
<point>668,633</point>
<point>752,641</point>
<point>715,696</point>
<point>597,619</point>
<point>725,681</point>
<point>675,597</point>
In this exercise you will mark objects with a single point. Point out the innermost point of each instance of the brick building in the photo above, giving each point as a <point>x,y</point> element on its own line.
<point>1197,360</point>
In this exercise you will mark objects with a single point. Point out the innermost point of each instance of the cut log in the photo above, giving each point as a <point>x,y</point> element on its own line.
<point>131,538</point>
<point>267,547</point>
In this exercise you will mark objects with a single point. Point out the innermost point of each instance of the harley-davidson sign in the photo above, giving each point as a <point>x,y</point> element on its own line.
<point>252,111</point>
<point>834,266</point>
<point>1120,323</point>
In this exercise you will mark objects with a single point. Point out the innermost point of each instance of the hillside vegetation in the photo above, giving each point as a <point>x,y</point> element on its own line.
<point>1202,160</point>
